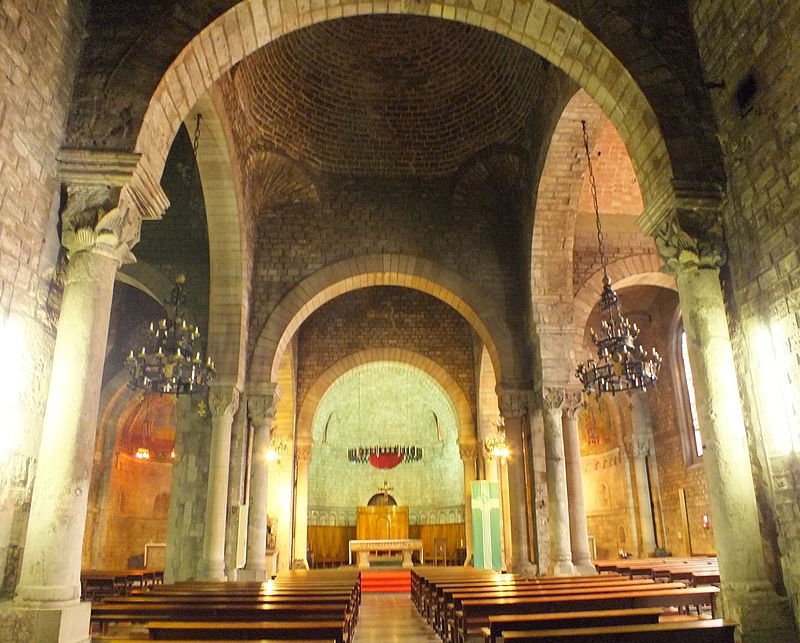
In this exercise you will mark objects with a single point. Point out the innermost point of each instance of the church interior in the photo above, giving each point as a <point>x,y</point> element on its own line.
<point>391,224</point>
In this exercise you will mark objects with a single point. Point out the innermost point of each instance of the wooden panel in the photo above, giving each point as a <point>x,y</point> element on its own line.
<point>381,521</point>
<point>329,544</point>
<point>454,533</point>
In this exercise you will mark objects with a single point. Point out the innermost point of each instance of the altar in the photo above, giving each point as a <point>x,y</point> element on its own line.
<point>405,546</point>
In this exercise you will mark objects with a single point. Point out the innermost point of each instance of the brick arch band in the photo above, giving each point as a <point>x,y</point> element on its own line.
<point>384,270</point>
<point>538,25</point>
<point>636,270</point>
<point>310,403</point>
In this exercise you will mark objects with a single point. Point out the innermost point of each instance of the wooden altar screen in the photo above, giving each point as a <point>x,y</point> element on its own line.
<point>381,522</point>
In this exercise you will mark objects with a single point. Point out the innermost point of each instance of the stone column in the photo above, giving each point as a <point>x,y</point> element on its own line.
<point>98,235</point>
<point>468,448</point>
<point>223,402</point>
<point>747,595</point>
<point>513,406</point>
<point>303,455</point>
<point>578,531</point>
<point>558,501</point>
<point>640,449</point>
<point>262,412</point>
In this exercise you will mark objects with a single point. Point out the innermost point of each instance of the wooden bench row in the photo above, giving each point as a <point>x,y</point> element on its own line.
<point>491,605</point>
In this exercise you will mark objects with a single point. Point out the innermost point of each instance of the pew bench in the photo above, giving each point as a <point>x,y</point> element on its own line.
<point>713,631</point>
<point>526,622</point>
<point>248,630</point>
<point>474,614</point>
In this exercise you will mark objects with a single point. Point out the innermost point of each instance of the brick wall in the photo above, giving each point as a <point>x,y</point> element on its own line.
<point>39,46</point>
<point>760,138</point>
<point>386,317</point>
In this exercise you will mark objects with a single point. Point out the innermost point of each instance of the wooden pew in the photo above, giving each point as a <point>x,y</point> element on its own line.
<point>526,622</point>
<point>247,630</point>
<point>711,631</point>
<point>474,613</point>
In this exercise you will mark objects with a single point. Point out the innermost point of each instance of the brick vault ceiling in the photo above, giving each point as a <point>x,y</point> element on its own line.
<point>389,95</point>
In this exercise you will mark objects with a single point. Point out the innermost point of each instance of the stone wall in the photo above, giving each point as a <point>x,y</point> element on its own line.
<point>39,47</point>
<point>750,52</point>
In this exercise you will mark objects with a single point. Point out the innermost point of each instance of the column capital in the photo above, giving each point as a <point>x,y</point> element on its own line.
<point>223,400</point>
<point>92,221</point>
<point>303,451</point>
<point>702,248</point>
<point>573,402</point>
<point>513,401</point>
<point>468,448</point>
<point>638,445</point>
<point>261,404</point>
<point>553,398</point>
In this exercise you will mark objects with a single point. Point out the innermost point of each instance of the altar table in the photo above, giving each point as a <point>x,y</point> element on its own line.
<point>363,548</point>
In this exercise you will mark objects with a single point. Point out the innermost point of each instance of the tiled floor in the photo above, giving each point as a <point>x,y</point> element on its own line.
<point>391,618</point>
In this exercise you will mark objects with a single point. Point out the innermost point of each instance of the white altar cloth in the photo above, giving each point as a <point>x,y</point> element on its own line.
<point>406,546</point>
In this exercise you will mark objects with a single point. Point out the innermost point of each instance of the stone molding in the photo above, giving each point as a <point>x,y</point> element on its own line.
<point>553,398</point>
<point>681,197</point>
<point>513,402</point>
<point>223,401</point>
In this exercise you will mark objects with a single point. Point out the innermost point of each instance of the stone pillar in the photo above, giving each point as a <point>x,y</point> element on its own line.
<point>262,412</point>
<point>640,449</point>
<point>223,402</point>
<point>558,501</point>
<point>98,235</point>
<point>303,455</point>
<point>513,406</point>
<point>747,595</point>
<point>468,448</point>
<point>578,531</point>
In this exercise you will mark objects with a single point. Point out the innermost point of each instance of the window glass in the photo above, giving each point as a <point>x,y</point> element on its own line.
<point>687,371</point>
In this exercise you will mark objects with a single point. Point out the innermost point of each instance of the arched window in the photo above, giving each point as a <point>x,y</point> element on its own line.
<point>687,402</point>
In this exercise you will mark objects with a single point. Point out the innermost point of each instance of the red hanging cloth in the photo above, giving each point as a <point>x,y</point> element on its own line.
<point>385,460</point>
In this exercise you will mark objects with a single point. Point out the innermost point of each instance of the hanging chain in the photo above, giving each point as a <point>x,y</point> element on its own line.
<point>593,187</point>
<point>196,142</point>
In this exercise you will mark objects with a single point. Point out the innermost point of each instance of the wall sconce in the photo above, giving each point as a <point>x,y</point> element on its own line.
<point>496,445</point>
<point>142,453</point>
<point>706,521</point>
<point>277,449</point>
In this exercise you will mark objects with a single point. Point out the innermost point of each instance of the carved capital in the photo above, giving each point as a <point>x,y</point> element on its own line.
<point>573,401</point>
<point>553,398</point>
<point>638,445</point>
<point>468,449</point>
<point>691,245</point>
<point>261,405</point>
<point>91,221</point>
<point>223,401</point>
<point>513,402</point>
<point>303,452</point>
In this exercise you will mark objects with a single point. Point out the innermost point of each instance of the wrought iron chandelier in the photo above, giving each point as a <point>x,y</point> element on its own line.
<point>495,445</point>
<point>622,364</point>
<point>384,454</point>
<point>171,360</point>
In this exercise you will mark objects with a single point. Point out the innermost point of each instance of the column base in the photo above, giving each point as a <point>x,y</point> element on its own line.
<point>252,575</point>
<point>526,569</point>
<point>213,570</point>
<point>763,616</point>
<point>584,567</point>
<point>563,568</point>
<point>42,625</point>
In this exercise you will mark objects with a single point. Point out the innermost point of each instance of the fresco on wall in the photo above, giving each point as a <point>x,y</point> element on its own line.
<point>598,432</point>
<point>386,404</point>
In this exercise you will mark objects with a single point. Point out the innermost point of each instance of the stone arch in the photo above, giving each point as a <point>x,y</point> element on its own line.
<point>384,270</point>
<point>309,404</point>
<point>540,25</point>
<point>636,270</point>
<point>227,332</point>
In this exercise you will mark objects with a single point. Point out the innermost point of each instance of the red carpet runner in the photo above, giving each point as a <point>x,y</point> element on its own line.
<point>394,580</point>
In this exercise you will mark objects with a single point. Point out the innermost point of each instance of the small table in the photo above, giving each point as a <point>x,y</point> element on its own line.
<point>406,546</point>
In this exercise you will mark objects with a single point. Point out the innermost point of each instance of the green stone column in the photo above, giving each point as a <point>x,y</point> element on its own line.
<point>747,595</point>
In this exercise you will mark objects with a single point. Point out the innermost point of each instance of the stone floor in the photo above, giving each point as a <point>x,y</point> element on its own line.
<point>391,618</point>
